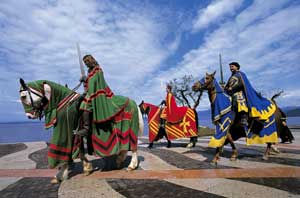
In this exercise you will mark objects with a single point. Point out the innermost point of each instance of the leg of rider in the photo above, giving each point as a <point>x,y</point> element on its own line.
<point>244,119</point>
<point>86,124</point>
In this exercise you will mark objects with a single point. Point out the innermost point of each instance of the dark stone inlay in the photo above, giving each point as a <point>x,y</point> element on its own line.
<point>262,149</point>
<point>137,188</point>
<point>31,187</point>
<point>102,164</point>
<point>6,149</point>
<point>183,162</point>
<point>248,154</point>
<point>40,157</point>
<point>291,185</point>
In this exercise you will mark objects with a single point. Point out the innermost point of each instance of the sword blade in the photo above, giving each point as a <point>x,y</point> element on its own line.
<point>80,60</point>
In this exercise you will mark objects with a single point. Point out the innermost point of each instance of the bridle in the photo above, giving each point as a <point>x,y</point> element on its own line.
<point>36,108</point>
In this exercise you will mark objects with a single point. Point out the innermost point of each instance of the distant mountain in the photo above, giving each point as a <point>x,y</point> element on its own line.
<point>293,112</point>
<point>289,108</point>
<point>290,111</point>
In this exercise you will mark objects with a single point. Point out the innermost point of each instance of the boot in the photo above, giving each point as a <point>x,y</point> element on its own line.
<point>86,125</point>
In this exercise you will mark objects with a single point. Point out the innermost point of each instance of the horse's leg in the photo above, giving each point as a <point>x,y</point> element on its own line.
<point>234,150</point>
<point>87,166</point>
<point>192,143</point>
<point>150,145</point>
<point>120,158</point>
<point>217,156</point>
<point>134,161</point>
<point>62,173</point>
<point>169,142</point>
<point>267,152</point>
<point>274,149</point>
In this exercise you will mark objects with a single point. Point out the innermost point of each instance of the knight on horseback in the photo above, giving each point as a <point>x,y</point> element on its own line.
<point>235,88</point>
<point>97,93</point>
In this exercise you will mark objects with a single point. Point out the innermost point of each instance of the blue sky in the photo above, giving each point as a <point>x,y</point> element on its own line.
<point>141,45</point>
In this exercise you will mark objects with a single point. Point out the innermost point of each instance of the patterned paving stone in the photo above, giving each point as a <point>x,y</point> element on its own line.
<point>31,187</point>
<point>155,188</point>
<point>291,185</point>
<point>6,149</point>
<point>40,158</point>
<point>181,161</point>
<point>248,155</point>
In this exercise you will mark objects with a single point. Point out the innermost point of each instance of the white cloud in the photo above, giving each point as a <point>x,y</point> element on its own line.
<point>214,12</point>
<point>267,49</point>
<point>38,41</point>
<point>133,41</point>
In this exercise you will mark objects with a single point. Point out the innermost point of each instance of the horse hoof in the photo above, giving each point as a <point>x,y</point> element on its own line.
<point>233,159</point>
<point>87,173</point>
<point>130,168</point>
<point>214,163</point>
<point>265,157</point>
<point>190,145</point>
<point>275,150</point>
<point>234,155</point>
<point>54,180</point>
<point>88,169</point>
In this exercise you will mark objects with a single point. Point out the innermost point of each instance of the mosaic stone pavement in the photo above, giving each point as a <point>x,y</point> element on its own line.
<point>163,172</point>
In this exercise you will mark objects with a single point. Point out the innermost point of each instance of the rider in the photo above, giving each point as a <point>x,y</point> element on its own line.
<point>98,100</point>
<point>246,102</point>
<point>170,112</point>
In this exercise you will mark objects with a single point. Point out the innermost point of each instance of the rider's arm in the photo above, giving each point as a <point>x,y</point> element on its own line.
<point>234,85</point>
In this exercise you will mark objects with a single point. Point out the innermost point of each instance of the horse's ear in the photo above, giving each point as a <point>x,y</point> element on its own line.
<point>141,103</point>
<point>206,74</point>
<point>147,110</point>
<point>23,84</point>
<point>214,73</point>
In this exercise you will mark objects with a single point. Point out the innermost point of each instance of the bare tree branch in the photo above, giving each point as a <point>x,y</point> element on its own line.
<point>182,91</point>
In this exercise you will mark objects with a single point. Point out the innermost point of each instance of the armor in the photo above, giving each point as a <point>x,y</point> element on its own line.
<point>234,88</point>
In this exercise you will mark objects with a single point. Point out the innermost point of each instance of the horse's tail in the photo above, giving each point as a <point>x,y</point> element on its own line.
<point>141,122</point>
<point>276,96</point>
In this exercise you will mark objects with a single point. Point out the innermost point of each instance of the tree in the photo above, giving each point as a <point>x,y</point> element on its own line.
<point>182,91</point>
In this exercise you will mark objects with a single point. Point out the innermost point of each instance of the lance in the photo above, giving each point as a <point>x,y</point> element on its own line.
<point>222,83</point>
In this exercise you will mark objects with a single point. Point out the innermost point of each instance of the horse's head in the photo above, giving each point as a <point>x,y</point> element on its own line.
<point>33,101</point>
<point>205,83</point>
<point>144,108</point>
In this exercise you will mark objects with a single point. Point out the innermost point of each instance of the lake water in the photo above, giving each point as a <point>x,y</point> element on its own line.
<point>34,131</point>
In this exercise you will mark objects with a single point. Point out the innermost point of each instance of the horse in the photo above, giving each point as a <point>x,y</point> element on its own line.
<point>187,127</point>
<point>60,107</point>
<point>228,128</point>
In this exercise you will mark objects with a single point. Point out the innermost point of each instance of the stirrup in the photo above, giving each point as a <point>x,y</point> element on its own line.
<point>81,132</point>
<point>244,122</point>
